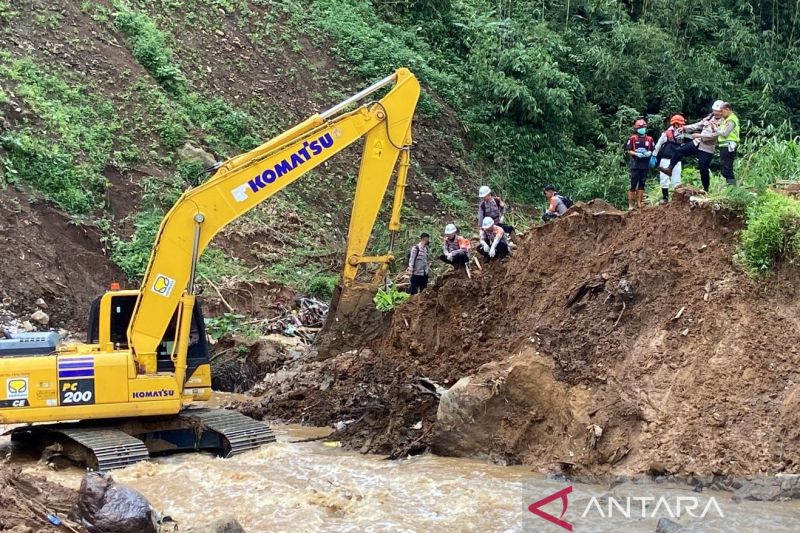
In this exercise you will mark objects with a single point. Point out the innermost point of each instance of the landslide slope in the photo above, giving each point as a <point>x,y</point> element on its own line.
<point>640,324</point>
<point>97,102</point>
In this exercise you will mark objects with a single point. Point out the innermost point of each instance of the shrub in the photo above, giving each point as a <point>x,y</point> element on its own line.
<point>772,234</point>
<point>322,286</point>
<point>387,299</point>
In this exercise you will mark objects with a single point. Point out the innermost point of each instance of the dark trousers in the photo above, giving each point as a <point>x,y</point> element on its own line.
<point>500,252</point>
<point>703,161</point>
<point>509,229</point>
<point>547,217</point>
<point>458,259</point>
<point>638,178</point>
<point>418,284</point>
<point>726,158</point>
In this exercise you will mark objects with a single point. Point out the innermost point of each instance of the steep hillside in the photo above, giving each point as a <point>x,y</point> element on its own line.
<point>639,325</point>
<point>108,106</point>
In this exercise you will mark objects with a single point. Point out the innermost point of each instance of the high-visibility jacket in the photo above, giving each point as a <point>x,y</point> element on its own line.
<point>733,136</point>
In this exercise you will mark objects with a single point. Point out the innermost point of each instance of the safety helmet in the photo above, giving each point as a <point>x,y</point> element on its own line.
<point>640,123</point>
<point>450,229</point>
<point>488,222</point>
<point>677,120</point>
<point>484,191</point>
<point>717,105</point>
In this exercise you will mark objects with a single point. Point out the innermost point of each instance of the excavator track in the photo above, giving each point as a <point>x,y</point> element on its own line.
<point>112,448</point>
<point>128,441</point>
<point>240,432</point>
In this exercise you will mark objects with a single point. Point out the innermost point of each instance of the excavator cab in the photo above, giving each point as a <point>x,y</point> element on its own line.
<point>120,310</point>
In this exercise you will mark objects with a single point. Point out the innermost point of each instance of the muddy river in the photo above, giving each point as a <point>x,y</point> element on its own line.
<point>311,486</point>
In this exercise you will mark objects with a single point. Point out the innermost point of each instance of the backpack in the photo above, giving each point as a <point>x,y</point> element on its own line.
<point>567,201</point>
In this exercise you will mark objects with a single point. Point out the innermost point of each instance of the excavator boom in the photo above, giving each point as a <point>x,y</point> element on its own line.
<point>245,181</point>
<point>127,390</point>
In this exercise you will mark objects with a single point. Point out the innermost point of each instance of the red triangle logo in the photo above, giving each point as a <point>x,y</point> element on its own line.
<point>562,494</point>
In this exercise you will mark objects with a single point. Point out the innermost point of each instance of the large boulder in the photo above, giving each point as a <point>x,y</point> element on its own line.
<point>105,506</point>
<point>509,407</point>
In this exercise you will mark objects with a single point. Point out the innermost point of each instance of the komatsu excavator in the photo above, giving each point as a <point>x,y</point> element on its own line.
<point>129,390</point>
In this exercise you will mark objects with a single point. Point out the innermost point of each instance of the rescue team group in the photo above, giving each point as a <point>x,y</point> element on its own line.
<point>680,140</point>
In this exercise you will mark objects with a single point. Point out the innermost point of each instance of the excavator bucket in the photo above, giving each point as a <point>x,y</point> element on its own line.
<point>352,320</point>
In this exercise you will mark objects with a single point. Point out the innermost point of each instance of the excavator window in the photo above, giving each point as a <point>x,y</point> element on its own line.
<point>121,312</point>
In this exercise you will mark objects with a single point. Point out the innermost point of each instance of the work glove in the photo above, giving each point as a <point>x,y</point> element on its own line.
<point>653,161</point>
<point>449,256</point>
<point>492,252</point>
<point>502,219</point>
<point>641,155</point>
<point>485,247</point>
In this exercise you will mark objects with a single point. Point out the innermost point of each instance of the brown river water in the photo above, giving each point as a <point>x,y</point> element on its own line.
<point>310,486</point>
<point>315,487</point>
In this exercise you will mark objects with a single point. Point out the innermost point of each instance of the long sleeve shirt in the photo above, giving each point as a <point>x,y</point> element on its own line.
<point>493,208</point>
<point>707,142</point>
<point>418,260</point>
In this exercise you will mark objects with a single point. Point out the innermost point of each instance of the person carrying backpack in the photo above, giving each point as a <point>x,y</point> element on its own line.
<point>557,204</point>
<point>639,147</point>
<point>666,147</point>
<point>418,265</point>
<point>492,206</point>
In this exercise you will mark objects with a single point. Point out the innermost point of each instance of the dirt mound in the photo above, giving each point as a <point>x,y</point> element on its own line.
<point>25,501</point>
<point>683,362</point>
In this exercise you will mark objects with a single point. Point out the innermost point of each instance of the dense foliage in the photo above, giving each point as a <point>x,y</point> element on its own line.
<point>548,89</point>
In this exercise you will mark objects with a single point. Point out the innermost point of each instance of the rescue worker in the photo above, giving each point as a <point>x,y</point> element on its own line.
<point>703,145</point>
<point>492,206</point>
<point>556,205</point>
<point>418,265</point>
<point>667,144</point>
<point>456,249</point>
<point>639,147</point>
<point>494,244</point>
<point>728,139</point>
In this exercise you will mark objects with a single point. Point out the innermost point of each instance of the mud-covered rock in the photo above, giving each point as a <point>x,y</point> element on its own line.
<point>226,524</point>
<point>105,506</point>
<point>665,525</point>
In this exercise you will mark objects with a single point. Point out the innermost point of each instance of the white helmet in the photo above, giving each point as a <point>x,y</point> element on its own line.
<point>484,191</point>
<point>450,229</point>
<point>488,222</point>
<point>717,105</point>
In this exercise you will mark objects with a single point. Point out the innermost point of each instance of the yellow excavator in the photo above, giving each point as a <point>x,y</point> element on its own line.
<point>129,390</point>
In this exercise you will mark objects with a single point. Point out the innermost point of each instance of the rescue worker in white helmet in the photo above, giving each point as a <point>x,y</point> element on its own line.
<point>494,244</point>
<point>492,206</point>
<point>455,249</point>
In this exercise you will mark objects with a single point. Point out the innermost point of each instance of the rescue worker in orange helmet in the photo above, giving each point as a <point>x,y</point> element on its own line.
<point>668,143</point>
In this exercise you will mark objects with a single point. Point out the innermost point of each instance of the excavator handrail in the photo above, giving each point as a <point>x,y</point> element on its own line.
<point>245,181</point>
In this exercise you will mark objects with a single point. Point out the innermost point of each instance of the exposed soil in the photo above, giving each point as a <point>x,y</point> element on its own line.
<point>640,324</point>
<point>46,256</point>
<point>26,500</point>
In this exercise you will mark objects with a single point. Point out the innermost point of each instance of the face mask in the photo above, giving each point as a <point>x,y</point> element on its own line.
<point>641,131</point>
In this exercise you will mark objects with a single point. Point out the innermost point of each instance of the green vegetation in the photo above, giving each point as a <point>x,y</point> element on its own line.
<point>229,323</point>
<point>387,299</point>
<point>149,46</point>
<point>772,234</point>
<point>67,163</point>
<point>548,90</point>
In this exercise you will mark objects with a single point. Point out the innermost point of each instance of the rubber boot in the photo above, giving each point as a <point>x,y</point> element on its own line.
<point>664,195</point>
<point>631,199</point>
<point>640,199</point>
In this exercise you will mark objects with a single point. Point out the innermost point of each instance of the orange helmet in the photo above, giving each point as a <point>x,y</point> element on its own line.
<point>677,120</point>
<point>640,123</point>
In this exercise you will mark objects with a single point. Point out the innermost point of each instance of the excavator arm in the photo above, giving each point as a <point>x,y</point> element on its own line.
<point>244,181</point>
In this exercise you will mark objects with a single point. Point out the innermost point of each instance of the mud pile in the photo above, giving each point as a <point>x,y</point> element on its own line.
<point>25,501</point>
<point>610,342</point>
